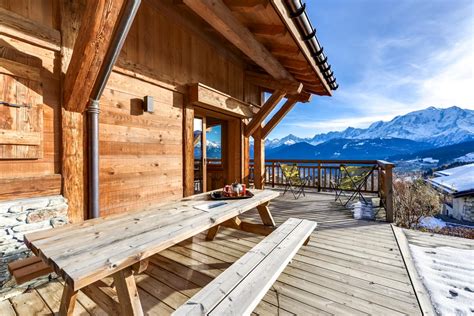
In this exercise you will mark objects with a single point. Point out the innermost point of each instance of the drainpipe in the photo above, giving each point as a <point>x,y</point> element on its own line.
<point>308,33</point>
<point>93,110</point>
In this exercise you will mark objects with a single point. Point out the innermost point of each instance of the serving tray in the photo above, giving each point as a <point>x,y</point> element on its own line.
<point>219,195</point>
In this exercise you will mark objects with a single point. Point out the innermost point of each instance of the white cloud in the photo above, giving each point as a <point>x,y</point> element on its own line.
<point>443,77</point>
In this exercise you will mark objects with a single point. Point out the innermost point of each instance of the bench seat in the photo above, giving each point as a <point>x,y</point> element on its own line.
<point>239,289</point>
<point>25,270</point>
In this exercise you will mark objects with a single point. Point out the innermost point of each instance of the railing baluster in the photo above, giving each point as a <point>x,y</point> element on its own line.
<point>319,176</point>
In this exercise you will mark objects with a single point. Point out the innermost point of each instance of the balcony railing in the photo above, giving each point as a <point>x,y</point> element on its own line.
<point>321,173</point>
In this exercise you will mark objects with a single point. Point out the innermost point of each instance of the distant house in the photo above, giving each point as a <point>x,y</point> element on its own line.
<point>458,186</point>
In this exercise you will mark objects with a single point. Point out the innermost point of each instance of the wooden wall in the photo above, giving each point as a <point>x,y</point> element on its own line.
<point>34,177</point>
<point>141,154</point>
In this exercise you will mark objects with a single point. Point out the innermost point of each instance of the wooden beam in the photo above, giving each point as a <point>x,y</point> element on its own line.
<point>303,97</point>
<point>20,27</point>
<point>72,123</point>
<point>213,99</point>
<point>289,104</point>
<point>246,5</point>
<point>267,29</point>
<point>94,38</point>
<point>219,16</point>
<point>267,82</point>
<point>258,119</point>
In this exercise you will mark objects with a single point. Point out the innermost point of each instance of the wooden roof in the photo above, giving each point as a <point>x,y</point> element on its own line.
<point>269,24</point>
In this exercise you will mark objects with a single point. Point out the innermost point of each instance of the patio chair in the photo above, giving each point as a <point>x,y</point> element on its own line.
<point>293,180</point>
<point>351,179</point>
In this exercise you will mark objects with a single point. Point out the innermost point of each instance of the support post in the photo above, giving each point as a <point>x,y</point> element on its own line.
<point>246,159</point>
<point>259,159</point>
<point>72,123</point>
<point>188,150</point>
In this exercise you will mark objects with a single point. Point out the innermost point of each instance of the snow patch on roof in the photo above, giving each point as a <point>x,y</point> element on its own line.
<point>455,180</point>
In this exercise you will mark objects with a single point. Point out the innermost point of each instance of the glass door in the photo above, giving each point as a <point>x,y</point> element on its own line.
<point>199,155</point>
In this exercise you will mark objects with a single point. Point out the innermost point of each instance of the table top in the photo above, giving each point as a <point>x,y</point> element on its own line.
<point>86,252</point>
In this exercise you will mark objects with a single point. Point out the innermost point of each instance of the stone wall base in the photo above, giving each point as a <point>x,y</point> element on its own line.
<point>20,217</point>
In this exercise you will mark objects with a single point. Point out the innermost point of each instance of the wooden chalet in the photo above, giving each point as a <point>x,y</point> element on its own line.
<point>105,107</point>
<point>207,59</point>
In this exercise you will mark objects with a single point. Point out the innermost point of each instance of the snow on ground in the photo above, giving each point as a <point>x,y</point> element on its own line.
<point>466,158</point>
<point>431,222</point>
<point>448,275</point>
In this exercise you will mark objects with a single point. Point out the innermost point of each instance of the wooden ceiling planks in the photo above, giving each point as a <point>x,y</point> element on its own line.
<point>282,45</point>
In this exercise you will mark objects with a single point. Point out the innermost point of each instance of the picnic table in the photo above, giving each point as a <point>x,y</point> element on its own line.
<point>119,245</point>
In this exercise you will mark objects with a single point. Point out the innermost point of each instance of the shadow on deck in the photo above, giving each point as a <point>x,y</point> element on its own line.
<point>350,267</point>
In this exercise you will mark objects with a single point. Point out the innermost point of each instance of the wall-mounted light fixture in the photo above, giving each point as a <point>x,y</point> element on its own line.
<point>148,104</point>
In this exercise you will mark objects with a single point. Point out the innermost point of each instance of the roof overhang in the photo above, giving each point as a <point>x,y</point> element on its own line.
<point>271,37</point>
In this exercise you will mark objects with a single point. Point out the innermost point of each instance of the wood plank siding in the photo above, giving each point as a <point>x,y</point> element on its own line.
<point>141,154</point>
<point>29,37</point>
<point>350,267</point>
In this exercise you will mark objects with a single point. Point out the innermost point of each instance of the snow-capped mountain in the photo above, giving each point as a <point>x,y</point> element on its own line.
<point>439,127</point>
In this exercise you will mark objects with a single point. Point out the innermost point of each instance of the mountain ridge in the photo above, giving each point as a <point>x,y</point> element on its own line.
<point>437,126</point>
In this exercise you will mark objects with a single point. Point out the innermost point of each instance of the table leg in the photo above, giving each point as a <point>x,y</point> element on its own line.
<point>127,292</point>
<point>265,214</point>
<point>212,232</point>
<point>68,301</point>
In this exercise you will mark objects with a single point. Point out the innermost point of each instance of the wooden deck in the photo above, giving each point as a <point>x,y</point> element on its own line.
<point>349,267</point>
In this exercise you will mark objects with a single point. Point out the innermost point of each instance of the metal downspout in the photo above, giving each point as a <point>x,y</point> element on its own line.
<point>93,110</point>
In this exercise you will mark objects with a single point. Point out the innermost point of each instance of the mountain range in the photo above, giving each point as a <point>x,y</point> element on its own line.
<point>438,127</point>
<point>444,134</point>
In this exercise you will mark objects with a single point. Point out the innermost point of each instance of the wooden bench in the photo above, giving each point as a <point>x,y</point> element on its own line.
<point>239,289</point>
<point>25,270</point>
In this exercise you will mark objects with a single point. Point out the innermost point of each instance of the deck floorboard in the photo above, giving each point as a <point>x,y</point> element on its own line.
<point>350,267</point>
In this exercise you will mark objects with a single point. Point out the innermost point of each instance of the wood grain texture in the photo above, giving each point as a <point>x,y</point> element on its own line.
<point>127,293</point>
<point>212,99</point>
<point>221,18</point>
<point>23,187</point>
<point>26,29</point>
<point>239,289</point>
<point>72,123</point>
<point>264,111</point>
<point>92,43</point>
<point>278,116</point>
<point>105,242</point>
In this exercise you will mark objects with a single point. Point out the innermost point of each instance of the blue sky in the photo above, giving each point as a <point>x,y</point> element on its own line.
<point>390,57</point>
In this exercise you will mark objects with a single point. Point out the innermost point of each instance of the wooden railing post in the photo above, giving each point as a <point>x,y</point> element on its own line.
<point>273,174</point>
<point>388,193</point>
<point>319,176</point>
<point>386,187</point>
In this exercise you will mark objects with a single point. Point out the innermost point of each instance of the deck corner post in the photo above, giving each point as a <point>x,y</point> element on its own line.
<point>388,193</point>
